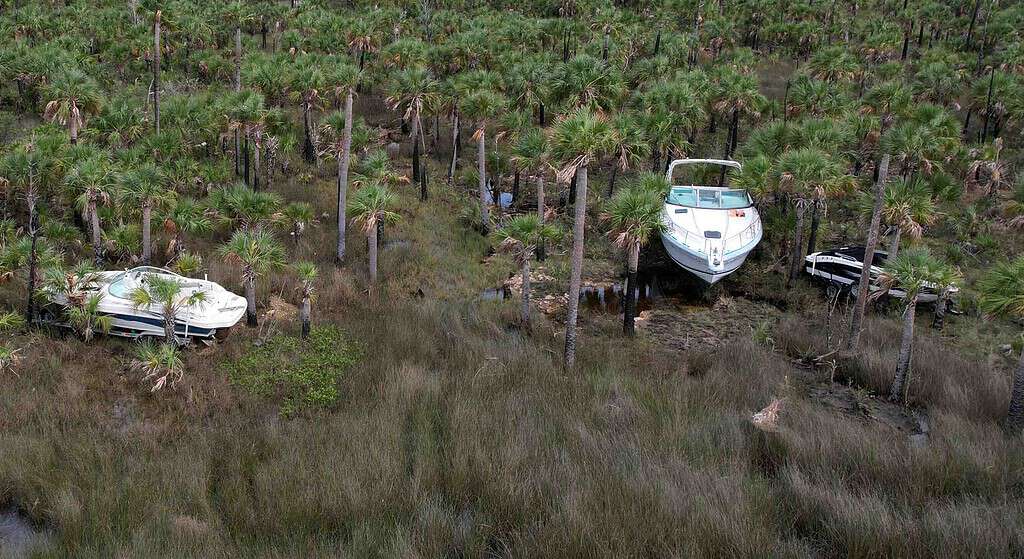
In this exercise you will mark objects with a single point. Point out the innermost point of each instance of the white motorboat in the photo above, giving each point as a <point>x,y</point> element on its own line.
<point>709,230</point>
<point>218,311</point>
<point>842,268</point>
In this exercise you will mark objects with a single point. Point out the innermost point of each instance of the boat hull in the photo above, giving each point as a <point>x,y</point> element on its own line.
<point>697,264</point>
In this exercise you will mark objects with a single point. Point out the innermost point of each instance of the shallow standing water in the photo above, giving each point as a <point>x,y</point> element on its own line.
<point>18,537</point>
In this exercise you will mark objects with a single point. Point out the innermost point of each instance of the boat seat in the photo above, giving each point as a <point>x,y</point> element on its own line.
<point>713,234</point>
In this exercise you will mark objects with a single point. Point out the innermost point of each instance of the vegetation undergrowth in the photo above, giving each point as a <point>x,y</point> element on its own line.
<point>303,373</point>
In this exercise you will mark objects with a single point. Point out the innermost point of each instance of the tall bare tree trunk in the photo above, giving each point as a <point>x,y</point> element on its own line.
<point>97,233</point>
<point>541,249</point>
<point>525,309</point>
<point>156,72</point>
<point>33,259</point>
<point>250,303</point>
<point>73,128</point>
<point>576,275</point>
<point>455,147</point>
<point>481,163</point>
<point>343,164</point>
<point>796,255</point>
<point>238,59</point>
<point>902,377</point>
<point>147,243</point>
<point>860,305</point>
<point>304,312</point>
<point>371,248</point>
<point>1015,414</point>
<point>629,312</point>
<point>894,247</point>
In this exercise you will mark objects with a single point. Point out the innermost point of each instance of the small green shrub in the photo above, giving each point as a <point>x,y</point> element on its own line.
<point>303,373</point>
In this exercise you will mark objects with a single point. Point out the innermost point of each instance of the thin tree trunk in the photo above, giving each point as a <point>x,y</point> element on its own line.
<point>73,129</point>
<point>455,147</point>
<point>902,377</point>
<point>541,249</point>
<point>97,237</point>
<point>33,258</point>
<point>307,144</point>
<point>169,328</point>
<point>894,247</point>
<point>343,164</point>
<point>1015,413</point>
<point>812,240</point>
<point>238,152</point>
<point>238,59</point>
<point>371,239</point>
<point>250,303</point>
<point>147,243</point>
<point>415,149</point>
<point>423,185</point>
<point>245,152</point>
<point>796,256</point>
<point>481,163</point>
<point>611,181</point>
<point>576,275</point>
<point>629,312</point>
<point>860,305</point>
<point>515,187</point>
<point>304,316</point>
<point>156,72</point>
<point>525,308</point>
<point>255,166</point>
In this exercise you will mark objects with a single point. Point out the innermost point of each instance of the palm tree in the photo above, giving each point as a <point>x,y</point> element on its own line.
<point>307,272</point>
<point>296,216</point>
<point>576,140</point>
<point>910,271</point>
<point>185,216</point>
<point>372,205</point>
<point>170,295</point>
<point>145,187</point>
<point>1002,293</point>
<point>161,362</point>
<point>348,78</point>
<point>863,285</point>
<point>415,90</point>
<point>72,96</point>
<point>530,153</point>
<point>20,169</point>
<point>806,173</point>
<point>236,14</point>
<point>257,252</point>
<point>945,278</point>
<point>907,207</point>
<point>93,180</point>
<point>635,216</point>
<point>737,96</point>
<point>521,237</point>
<point>482,105</point>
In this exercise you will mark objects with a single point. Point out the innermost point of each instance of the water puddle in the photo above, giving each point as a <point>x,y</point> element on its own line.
<point>505,197</point>
<point>18,537</point>
<point>496,294</point>
<point>656,286</point>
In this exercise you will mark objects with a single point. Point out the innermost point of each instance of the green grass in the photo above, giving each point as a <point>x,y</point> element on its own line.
<point>302,373</point>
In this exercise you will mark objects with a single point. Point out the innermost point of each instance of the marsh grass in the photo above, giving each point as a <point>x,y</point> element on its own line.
<point>455,433</point>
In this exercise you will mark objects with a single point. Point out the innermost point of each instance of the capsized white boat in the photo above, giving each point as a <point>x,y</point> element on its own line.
<point>709,230</point>
<point>219,310</point>
<point>842,267</point>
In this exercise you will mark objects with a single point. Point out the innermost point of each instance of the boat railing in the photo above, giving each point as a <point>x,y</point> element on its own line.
<point>741,239</point>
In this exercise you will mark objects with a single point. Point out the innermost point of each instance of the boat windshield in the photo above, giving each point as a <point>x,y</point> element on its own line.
<point>708,198</point>
<point>121,286</point>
